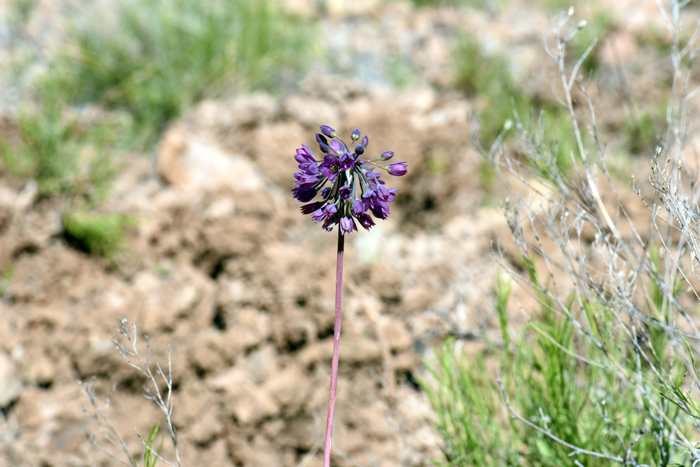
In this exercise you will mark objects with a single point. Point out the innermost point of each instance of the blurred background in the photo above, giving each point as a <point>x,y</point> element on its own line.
<point>146,161</point>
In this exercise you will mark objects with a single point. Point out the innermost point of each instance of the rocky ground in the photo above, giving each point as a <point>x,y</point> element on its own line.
<point>221,266</point>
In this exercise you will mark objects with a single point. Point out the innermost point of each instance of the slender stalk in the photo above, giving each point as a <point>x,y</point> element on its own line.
<point>336,350</point>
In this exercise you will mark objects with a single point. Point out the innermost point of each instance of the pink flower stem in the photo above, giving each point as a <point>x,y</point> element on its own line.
<point>336,350</point>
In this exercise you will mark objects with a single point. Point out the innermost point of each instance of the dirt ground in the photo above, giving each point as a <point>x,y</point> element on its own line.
<point>222,267</point>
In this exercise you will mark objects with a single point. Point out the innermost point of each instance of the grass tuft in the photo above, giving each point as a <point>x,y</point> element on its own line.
<point>64,156</point>
<point>162,56</point>
<point>579,400</point>
<point>98,234</point>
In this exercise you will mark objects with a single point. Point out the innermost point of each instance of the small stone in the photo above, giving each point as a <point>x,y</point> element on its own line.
<point>289,388</point>
<point>10,384</point>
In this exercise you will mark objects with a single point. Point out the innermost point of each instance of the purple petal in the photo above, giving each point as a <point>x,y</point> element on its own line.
<point>359,207</point>
<point>330,223</point>
<point>379,208</point>
<point>337,147</point>
<point>347,225</point>
<point>383,193</point>
<point>330,209</point>
<point>346,161</point>
<point>318,215</point>
<point>304,193</point>
<point>345,192</point>
<point>365,221</point>
<point>309,208</point>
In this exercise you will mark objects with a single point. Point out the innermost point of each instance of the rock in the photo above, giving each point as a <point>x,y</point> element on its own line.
<point>10,384</point>
<point>194,165</point>
<point>261,364</point>
<point>209,355</point>
<point>275,148</point>
<point>259,453</point>
<point>360,349</point>
<point>245,400</point>
<point>42,372</point>
<point>309,111</point>
<point>164,300</point>
<point>249,328</point>
<point>395,333</point>
<point>386,280</point>
<point>206,429</point>
<point>322,350</point>
<point>289,388</point>
<point>373,419</point>
<point>194,399</point>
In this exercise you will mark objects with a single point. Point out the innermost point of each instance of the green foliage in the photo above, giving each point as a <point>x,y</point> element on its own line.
<point>640,134</point>
<point>501,294</point>
<point>399,72</point>
<point>98,234</point>
<point>657,38</point>
<point>437,164</point>
<point>43,152</point>
<point>486,175</point>
<point>469,412</point>
<point>161,56</point>
<point>560,141</point>
<point>5,279</point>
<point>488,78</point>
<point>560,382</point>
<point>149,458</point>
<point>59,153</point>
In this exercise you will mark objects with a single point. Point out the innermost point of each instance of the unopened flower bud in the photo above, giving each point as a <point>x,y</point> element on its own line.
<point>359,149</point>
<point>355,135</point>
<point>321,139</point>
<point>387,155</point>
<point>328,131</point>
<point>398,169</point>
<point>365,141</point>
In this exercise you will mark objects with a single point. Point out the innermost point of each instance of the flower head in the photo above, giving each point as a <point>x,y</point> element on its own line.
<point>348,184</point>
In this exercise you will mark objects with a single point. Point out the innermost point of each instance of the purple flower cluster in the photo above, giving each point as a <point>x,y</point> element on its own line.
<point>355,189</point>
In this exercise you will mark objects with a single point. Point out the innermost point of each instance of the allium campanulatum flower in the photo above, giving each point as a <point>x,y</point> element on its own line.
<point>347,182</point>
<point>351,192</point>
